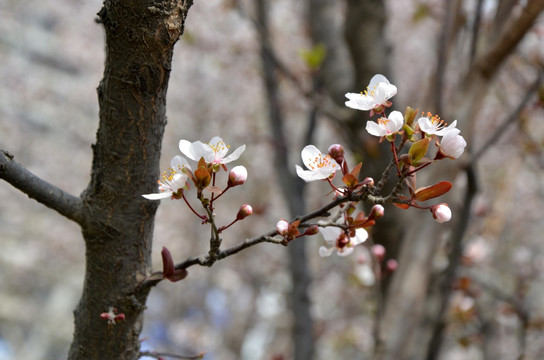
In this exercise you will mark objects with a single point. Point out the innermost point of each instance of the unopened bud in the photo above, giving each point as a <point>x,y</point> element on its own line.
<point>237,176</point>
<point>376,212</point>
<point>282,227</point>
<point>312,230</point>
<point>368,181</point>
<point>441,212</point>
<point>379,251</point>
<point>391,265</point>
<point>245,211</point>
<point>336,151</point>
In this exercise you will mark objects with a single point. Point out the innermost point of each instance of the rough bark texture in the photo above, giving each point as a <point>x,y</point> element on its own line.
<point>118,225</point>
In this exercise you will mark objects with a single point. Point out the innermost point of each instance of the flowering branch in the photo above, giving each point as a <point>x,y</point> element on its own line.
<point>39,189</point>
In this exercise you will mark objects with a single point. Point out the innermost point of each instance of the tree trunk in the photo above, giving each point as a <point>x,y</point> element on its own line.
<point>118,224</point>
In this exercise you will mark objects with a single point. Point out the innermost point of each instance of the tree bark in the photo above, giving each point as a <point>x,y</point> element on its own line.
<point>118,225</point>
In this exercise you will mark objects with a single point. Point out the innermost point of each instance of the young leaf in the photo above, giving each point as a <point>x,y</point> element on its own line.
<point>418,150</point>
<point>430,192</point>
<point>349,180</point>
<point>167,262</point>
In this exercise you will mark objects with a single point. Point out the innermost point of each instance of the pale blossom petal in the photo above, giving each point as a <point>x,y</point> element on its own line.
<point>435,126</point>
<point>158,196</point>
<point>386,125</point>
<point>452,144</point>
<point>196,150</point>
<point>235,155</point>
<point>178,163</point>
<point>319,166</point>
<point>377,94</point>
<point>325,252</point>
<point>360,237</point>
<point>213,152</point>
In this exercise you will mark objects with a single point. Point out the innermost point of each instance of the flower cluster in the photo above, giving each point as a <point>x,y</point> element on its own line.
<point>410,138</point>
<point>211,158</point>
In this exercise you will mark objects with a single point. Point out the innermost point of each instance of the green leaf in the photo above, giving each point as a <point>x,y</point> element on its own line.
<point>315,56</point>
<point>418,150</point>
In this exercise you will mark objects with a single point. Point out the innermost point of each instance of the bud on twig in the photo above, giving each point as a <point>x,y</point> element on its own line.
<point>245,211</point>
<point>441,212</point>
<point>237,176</point>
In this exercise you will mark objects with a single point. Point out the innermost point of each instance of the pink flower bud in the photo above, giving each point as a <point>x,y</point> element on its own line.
<point>336,152</point>
<point>368,181</point>
<point>376,212</point>
<point>312,230</point>
<point>282,227</point>
<point>237,176</point>
<point>379,251</point>
<point>245,211</point>
<point>391,265</point>
<point>441,212</point>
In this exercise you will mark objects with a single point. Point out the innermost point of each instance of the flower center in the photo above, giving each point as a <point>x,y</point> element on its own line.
<point>167,177</point>
<point>219,147</point>
<point>437,122</point>
<point>320,162</point>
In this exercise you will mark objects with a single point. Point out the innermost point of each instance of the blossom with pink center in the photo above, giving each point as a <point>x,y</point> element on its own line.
<point>213,152</point>
<point>319,166</point>
<point>172,180</point>
<point>386,125</point>
<point>376,96</point>
<point>337,239</point>
<point>433,125</point>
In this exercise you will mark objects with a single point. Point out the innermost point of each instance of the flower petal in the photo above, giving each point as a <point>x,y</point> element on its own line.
<point>374,129</point>
<point>235,155</point>
<point>308,175</point>
<point>360,237</point>
<point>325,252</point>
<point>330,233</point>
<point>158,196</point>
<point>178,163</point>
<point>396,120</point>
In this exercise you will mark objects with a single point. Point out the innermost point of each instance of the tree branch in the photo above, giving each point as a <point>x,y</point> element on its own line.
<point>513,32</point>
<point>40,190</point>
<point>206,260</point>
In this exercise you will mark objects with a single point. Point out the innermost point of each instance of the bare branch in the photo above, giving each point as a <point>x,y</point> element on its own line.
<point>161,355</point>
<point>40,190</point>
<point>511,35</point>
<point>509,120</point>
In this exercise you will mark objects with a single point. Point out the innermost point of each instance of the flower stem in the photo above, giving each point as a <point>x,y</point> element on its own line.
<point>202,217</point>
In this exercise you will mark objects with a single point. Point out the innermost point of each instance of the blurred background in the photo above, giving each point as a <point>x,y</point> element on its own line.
<point>272,75</point>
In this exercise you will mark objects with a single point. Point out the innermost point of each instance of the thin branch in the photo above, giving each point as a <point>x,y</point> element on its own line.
<point>511,35</point>
<point>160,355</point>
<point>475,31</point>
<point>509,120</point>
<point>206,260</point>
<point>40,190</point>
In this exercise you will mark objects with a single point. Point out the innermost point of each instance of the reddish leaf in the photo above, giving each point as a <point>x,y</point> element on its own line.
<point>167,262</point>
<point>402,205</point>
<point>350,180</point>
<point>356,170</point>
<point>430,192</point>
<point>178,275</point>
